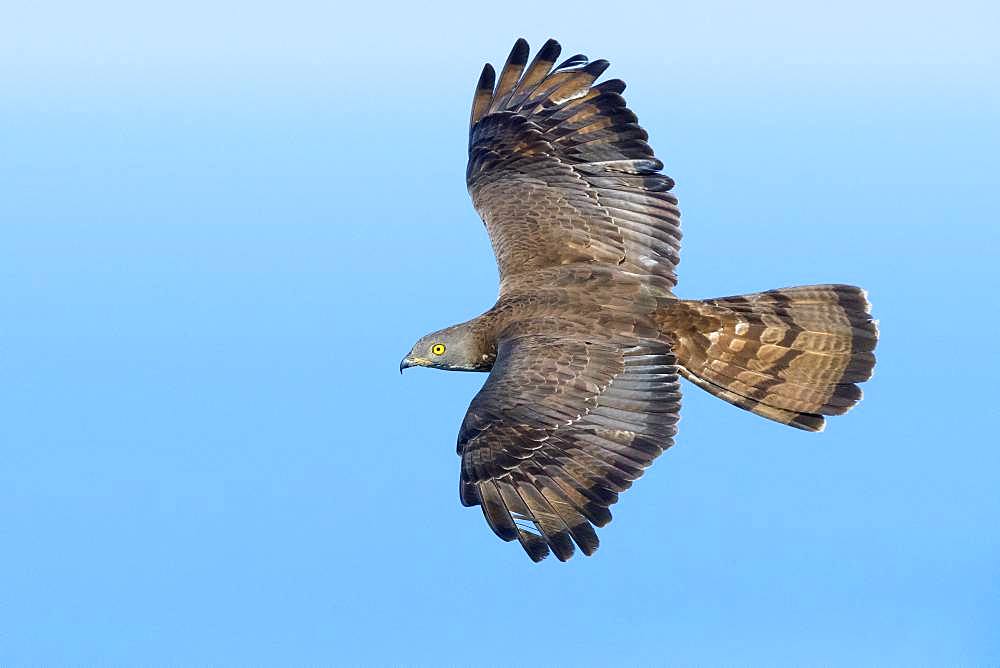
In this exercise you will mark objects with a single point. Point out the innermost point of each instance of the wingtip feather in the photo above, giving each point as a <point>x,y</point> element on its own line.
<point>483,95</point>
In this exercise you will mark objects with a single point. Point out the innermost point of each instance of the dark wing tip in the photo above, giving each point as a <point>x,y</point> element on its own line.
<point>597,67</point>
<point>550,46</point>
<point>562,546</point>
<point>484,94</point>
<point>495,512</point>
<point>612,86</point>
<point>808,422</point>
<point>533,544</point>
<point>519,53</point>
<point>586,538</point>
<point>549,52</point>
<point>572,61</point>
<point>487,78</point>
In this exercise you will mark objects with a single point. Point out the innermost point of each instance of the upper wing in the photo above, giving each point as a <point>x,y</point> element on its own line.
<point>558,430</point>
<point>560,170</point>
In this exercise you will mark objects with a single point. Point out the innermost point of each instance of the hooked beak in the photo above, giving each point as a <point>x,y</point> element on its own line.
<point>412,361</point>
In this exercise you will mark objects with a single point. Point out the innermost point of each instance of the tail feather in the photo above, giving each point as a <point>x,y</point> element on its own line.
<point>792,355</point>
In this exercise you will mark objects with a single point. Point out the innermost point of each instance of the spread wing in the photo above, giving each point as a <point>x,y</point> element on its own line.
<point>560,428</point>
<point>560,171</point>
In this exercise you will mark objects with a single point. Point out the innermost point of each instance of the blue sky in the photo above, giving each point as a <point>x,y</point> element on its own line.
<point>221,227</point>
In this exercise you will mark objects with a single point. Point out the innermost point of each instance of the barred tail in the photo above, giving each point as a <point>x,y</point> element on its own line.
<point>791,355</point>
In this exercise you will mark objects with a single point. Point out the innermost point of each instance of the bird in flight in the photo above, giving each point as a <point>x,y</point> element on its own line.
<point>586,342</point>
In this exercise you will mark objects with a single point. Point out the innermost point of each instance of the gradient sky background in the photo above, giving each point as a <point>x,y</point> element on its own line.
<point>222,226</point>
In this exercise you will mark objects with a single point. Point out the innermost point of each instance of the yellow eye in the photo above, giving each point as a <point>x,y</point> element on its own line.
<point>438,349</point>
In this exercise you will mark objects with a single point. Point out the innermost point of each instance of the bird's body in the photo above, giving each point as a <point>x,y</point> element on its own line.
<point>587,340</point>
<point>571,298</point>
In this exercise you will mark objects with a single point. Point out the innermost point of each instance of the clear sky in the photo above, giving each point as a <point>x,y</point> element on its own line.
<point>222,226</point>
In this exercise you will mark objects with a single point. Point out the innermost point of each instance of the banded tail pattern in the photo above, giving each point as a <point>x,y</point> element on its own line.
<point>792,355</point>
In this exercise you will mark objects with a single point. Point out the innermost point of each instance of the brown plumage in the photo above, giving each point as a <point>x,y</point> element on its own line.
<point>586,341</point>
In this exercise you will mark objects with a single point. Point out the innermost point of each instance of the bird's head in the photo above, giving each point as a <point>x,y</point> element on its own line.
<point>457,348</point>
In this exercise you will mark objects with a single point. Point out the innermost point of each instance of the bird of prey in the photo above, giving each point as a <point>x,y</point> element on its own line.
<point>586,342</point>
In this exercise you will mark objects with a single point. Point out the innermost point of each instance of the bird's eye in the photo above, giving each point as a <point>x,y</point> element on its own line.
<point>438,349</point>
